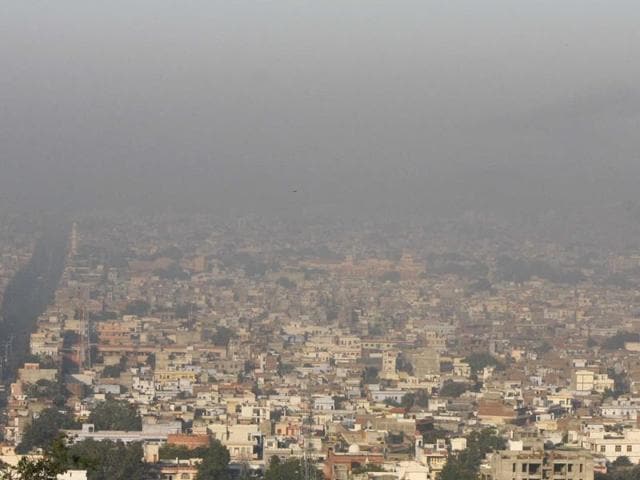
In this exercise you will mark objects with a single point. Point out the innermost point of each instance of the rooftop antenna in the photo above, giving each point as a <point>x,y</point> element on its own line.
<point>306,438</point>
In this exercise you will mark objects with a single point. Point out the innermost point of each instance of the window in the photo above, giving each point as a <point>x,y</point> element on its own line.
<point>603,448</point>
<point>618,448</point>
<point>629,448</point>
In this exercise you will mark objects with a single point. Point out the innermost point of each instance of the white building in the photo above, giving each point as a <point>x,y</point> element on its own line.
<point>73,475</point>
<point>612,445</point>
<point>623,408</point>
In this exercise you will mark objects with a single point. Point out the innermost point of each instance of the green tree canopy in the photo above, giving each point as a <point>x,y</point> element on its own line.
<point>621,462</point>
<point>286,282</point>
<point>215,463</point>
<point>115,415</point>
<point>291,469</point>
<point>222,336</point>
<point>105,460</point>
<point>48,467</point>
<point>465,465</point>
<point>418,399</point>
<point>44,429</point>
<point>617,341</point>
<point>370,375</point>
<point>181,452</point>
<point>137,307</point>
<point>453,389</point>
<point>47,389</point>
<point>478,361</point>
<point>108,460</point>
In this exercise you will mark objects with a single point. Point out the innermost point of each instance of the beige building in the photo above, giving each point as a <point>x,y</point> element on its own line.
<point>538,465</point>
<point>389,364</point>
<point>31,373</point>
<point>613,445</point>
<point>425,361</point>
<point>242,441</point>
<point>588,381</point>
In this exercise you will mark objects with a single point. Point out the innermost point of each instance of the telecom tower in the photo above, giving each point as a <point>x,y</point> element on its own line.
<point>307,462</point>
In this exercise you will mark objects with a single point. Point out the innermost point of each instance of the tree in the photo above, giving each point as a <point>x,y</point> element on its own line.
<point>403,364</point>
<point>418,399</point>
<point>172,272</point>
<point>408,399</point>
<point>465,465</point>
<point>286,282</point>
<point>215,463</point>
<point>478,361</point>
<point>621,462</point>
<point>620,382</point>
<point>47,389</point>
<point>137,307</point>
<point>184,310</point>
<point>479,285</point>
<point>245,472</point>
<point>370,375</point>
<point>431,436</point>
<point>48,467</point>
<point>619,339</point>
<point>115,415</point>
<point>107,460</point>
<point>368,467</point>
<point>285,368</point>
<point>390,402</point>
<point>114,371</point>
<point>44,429</point>
<point>40,469</point>
<point>222,336</point>
<point>453,389</point>
<point>102,316</point>
<point>291,469</point>
<point>390,276</point>
<point>421,399</point>
<point>620,472</point>
<point>180,451</point>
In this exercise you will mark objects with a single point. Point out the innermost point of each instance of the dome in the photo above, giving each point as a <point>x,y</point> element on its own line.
<point>354,448</point>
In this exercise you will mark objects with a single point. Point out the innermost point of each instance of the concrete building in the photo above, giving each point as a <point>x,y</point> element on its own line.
<point>425,361</point>
<point>588,381</point>
<point>244,442</point>
<point>538,465</point>
<point>149,433</point>
<point>613,445</point>
<point>339,466</point>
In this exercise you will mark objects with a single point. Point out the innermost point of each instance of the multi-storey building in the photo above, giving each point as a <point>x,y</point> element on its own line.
<point>538,465</point>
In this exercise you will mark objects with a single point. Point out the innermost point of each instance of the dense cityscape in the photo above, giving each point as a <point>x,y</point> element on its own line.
<point>351,353</point>
<point>319,240</point>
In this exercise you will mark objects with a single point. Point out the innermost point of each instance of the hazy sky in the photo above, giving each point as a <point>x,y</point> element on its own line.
<point>385,104</point>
